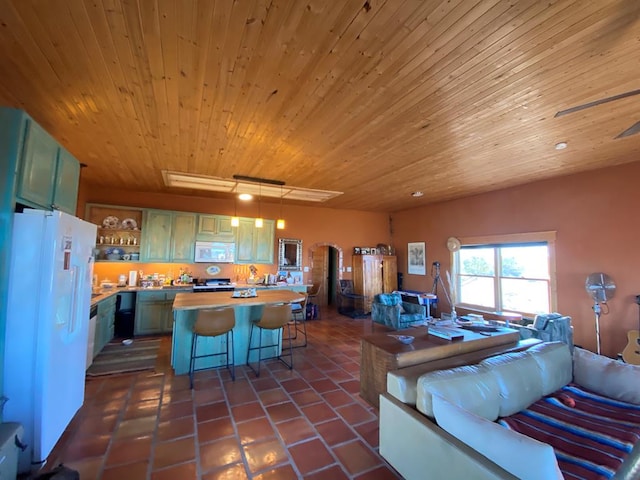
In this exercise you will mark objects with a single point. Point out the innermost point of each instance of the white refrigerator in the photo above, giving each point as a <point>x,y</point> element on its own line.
<point>47,327</point>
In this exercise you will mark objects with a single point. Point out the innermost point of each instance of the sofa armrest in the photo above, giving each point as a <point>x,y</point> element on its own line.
<point>606,376</point>
<point>520,455</point>
<point>388,315</point>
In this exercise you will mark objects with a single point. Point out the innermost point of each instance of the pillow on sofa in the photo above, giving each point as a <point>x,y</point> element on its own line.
<point>519,380</point>
<point>555,363</point>
<point>520,455</point>
<point>472,387</point>
<point>605,376</point>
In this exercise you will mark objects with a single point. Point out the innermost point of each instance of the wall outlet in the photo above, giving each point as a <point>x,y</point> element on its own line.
<point>348,269</point>
<point>305,269</point>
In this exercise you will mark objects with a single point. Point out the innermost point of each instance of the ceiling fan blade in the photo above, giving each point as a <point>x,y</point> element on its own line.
<point>596,103</point>
<point>632,130</point>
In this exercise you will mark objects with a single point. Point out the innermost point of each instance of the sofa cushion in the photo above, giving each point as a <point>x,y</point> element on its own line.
<point>592,436</point>
<point>519,381</point>
<point>388,298</point>
<point>606,376</point>
<point>520,455</point>
<point>472,387</point>
<point>555,363</point>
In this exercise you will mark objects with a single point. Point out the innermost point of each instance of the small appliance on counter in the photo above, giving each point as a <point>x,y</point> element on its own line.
<point>213,285</point>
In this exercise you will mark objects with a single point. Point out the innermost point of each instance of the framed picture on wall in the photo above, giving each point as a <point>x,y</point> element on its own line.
<point>417,258</point>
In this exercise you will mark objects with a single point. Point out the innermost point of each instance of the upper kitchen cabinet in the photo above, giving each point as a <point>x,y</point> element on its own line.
<point>65,192</point>
<point>47,175</point>
<point>255,245</point>
<point>215,228</point>
<point>168,236</point>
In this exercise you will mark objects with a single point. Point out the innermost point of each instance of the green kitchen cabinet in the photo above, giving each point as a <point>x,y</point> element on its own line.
<point>183,242</point>
<point>168,319</point>
<point>104,323</point>
<point>168,236</point>
<point>255,245</point>
<point>65,192</point>
<point>215,228</point>
<point>154,312</point>
<point>48,175</point>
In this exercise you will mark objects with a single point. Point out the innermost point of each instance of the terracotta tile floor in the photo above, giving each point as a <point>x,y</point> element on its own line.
<point>307,423</point>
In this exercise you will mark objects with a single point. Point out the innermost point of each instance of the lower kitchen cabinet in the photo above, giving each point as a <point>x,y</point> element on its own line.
<point>104,323</point>
<point>154,313</point>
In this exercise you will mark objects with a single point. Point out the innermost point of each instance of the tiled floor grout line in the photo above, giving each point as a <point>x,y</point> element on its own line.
<point>331,358</point>
<point>313,425</point>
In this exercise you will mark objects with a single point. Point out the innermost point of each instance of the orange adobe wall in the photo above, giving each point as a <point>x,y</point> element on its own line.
<point>597,220</point>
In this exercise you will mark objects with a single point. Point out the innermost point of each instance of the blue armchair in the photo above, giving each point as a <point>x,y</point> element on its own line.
<point>388,309</point>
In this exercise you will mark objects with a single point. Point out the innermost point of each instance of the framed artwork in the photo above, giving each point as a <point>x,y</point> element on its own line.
<point>417,258</point>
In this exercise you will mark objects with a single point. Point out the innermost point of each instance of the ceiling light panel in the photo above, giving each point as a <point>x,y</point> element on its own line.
<point>218,184</point>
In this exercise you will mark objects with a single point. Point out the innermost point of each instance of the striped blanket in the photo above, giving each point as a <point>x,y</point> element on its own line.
<point>590,434</point>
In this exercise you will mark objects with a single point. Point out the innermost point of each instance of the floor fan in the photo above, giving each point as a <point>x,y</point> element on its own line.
<point>601,288</point>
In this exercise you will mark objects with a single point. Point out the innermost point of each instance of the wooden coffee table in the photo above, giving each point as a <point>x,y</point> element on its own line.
<point>381,353</point>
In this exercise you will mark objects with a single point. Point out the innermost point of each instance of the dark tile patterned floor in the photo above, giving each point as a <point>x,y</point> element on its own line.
<point>306,423</point>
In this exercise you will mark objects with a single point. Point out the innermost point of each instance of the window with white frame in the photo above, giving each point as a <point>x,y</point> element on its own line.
<point>507,273</point>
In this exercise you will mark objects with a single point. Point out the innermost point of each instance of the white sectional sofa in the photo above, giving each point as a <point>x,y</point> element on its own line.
<point>454,430</point>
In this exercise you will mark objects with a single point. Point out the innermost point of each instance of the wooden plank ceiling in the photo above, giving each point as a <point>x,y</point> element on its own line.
<point>373,98</point>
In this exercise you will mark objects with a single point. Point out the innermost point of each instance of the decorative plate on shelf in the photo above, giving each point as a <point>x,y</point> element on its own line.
<point>129,224</point>
<point>213,270</point>
<point>110,222</point>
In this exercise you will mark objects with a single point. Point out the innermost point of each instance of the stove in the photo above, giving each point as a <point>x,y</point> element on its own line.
<point>213,285</point>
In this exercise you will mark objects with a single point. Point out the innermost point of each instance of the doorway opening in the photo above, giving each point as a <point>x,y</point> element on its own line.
<point>326,270</point>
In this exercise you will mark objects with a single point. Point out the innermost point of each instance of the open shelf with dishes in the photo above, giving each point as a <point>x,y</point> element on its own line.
<point>118,234</point>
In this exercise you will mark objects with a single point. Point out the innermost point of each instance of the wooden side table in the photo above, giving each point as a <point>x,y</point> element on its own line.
<point>380,353</point>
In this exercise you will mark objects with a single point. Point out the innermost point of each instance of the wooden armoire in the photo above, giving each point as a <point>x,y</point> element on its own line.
<point>373,274</point>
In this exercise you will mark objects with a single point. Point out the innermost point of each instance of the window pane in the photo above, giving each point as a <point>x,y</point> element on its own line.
<point>477,291</point>
<point>529,296</point>
<point>477,261</point>
<point>527,262</point>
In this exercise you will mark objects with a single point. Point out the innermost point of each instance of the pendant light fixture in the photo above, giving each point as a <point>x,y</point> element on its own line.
<point>280,221</point>
<point>235,221</point>
<point>259,220</point>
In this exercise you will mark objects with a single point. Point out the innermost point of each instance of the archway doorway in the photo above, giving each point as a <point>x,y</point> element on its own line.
<point>326,270</point>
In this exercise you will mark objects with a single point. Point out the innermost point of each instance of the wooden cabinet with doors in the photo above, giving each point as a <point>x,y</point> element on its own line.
<point>255,245</point>
<point>154,312</point>
<point>104,324</point>
<point>48,175</point>
<point>215,228</point>
<point>373,274</point>
<point>168,236</point>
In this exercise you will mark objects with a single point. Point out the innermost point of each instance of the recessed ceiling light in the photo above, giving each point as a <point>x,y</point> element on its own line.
<point>417,194</point>
<point>245,196</point>
<point>561,145</point>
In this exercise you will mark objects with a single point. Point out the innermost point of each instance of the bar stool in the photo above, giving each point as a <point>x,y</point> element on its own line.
<point>299,317</point>
<point>213,323</point>
<point>274,317</point>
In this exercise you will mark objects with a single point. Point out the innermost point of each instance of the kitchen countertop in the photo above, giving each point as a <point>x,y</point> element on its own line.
<point>104,293</point>
<point>224,299</point>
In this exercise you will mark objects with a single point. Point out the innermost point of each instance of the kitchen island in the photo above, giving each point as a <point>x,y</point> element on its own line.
<point>185,309</point>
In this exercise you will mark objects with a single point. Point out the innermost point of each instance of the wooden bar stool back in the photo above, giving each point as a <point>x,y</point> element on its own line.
<point>213,323</point>
<point>312,297</point>
<point>274,317</point>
